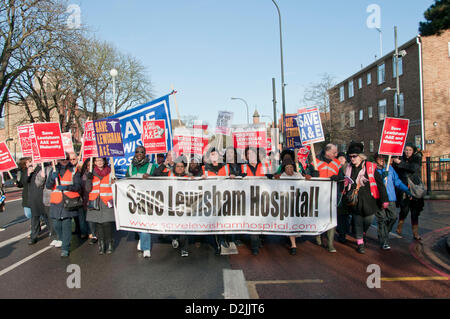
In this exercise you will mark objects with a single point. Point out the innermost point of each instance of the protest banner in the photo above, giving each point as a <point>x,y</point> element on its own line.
<point>25,138</point>
<point>49,141</point>
<point>223,124</point>
<point>225,206</point>
<point>310,128</point>
<point>189,141</point>
<point>302,155</point>
<point>131,125</point>
<point>154,136</point>
<point>89,145</point>
<point>292,132</point>
<point>249,135</point>
<point>200,125</point>
<point>108,138</point>
<point>393,136</point>
<point>67,142</point>
<point>7,162</point>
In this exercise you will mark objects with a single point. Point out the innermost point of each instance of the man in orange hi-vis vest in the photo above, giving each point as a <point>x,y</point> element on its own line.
<point>328,166</point>
<point>65,180</point>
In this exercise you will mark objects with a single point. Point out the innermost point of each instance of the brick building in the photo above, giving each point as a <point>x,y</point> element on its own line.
<point>360,103</point>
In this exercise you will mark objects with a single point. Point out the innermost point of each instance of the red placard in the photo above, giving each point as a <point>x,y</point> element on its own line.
<point>189,141</point>
<point>393,136</point>
<point>28,142</point>
<point>89,143</point>
<point>249,136</point>
<point>7,162</point>
<point>67,142</point>
<point>154,136</point>
<point>49,141</point>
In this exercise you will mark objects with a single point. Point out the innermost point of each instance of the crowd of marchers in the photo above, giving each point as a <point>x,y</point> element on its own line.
<point>55,195</point>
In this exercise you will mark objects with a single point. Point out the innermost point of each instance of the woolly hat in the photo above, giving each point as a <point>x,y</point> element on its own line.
<point>355,148</point>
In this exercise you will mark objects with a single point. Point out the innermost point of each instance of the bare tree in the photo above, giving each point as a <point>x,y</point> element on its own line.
<point>28,29</point>
<point>322,95</point>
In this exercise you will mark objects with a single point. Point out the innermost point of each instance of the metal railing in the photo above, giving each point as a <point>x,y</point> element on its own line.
<point>436,173</point>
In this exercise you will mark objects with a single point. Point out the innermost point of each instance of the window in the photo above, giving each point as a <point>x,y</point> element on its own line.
<point>370,112</point>
<point>351,91</point>
<point>399,108</point>
<point>371,146</point>
<point>369,78</point>
<point>352,118</point>
<point>381,110</point>
<point>342,120</point>
<point>359,83</point>
<point>381,74</point>
<point>400,67</point>
<point>418,141</point>
<point>344,147</point>
<point>341,93</point>
<point>361,114</point>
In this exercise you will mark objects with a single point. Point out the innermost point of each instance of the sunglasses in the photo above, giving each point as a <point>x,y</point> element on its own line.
<point>142,152</point>
<point>353,156</point>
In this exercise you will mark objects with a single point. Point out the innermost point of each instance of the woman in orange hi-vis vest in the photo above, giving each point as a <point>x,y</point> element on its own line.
<point>100,206</point>
<point>253,169</point>
<point>69,184</point>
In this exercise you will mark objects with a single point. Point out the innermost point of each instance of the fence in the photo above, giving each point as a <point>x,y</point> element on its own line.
<point>436,173</point>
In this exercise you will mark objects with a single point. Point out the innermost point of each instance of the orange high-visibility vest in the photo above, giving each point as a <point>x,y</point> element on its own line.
<point>171,174</point>
<point>56,196</point>
<point>328,170</point>
<point>223,171</point>
<point>101,187</point>
<point>260,170</point>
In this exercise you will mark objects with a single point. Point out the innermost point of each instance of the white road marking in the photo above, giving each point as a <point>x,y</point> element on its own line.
<point>17,238</point>
<point>234,284</point>
<point>17,264</point>
<point>13,200</point>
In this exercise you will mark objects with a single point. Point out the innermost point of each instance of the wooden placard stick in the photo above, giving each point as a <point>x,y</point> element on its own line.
<point>54,169</point>
<point>176,105</point>
<point>113,171</point>
<point>313,152</point>
<point>91,159</point>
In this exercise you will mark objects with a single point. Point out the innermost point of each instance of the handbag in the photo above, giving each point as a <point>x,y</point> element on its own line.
<point>417,190</point>
<point>351,198</point>
<point>94,204</point>
<point>71,204</point>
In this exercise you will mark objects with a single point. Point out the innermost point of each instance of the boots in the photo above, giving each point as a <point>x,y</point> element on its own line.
<point>101,247</point>
<point>400,227</point>
<point>415,229</point>
<point>330,239</point>
<point>109,247</point>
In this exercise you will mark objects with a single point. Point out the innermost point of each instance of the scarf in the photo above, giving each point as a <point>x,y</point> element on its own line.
<point>102,172</point>
<point>360,179</point>
<point>139,164</point>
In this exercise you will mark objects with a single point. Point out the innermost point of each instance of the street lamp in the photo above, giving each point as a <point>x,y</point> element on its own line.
<point>283,101</point>
<point>238,98</point>
<point>113,74</point>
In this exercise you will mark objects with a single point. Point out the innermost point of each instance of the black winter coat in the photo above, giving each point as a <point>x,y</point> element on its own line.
<point>367,204</point>
<point>23,182</point>
<point>35,194</point>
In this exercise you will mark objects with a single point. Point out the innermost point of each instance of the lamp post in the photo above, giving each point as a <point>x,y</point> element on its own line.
<point>283,101</point>
<point>238,98</point>
<point>113,74</point>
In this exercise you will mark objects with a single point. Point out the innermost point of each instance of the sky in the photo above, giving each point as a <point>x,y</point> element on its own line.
<point>212,50</point>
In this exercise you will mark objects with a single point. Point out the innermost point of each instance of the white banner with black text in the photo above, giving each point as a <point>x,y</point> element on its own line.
<point>225,206</point>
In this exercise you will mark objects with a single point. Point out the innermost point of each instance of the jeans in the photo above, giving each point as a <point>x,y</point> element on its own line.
<point>343,225</point>
<point>386,219</point>
<point>83,225</point>
<point>27,211</point>
<point>361,225</point>
<point>146,241</point>
<point>63,228</point>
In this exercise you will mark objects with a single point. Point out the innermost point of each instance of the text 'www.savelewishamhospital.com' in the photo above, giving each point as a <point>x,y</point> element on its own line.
<point>218,226</point>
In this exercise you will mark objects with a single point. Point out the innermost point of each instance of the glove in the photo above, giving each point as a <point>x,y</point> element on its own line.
<point>90,175</point>
<point>54,175</point>
<point>384,174</point>
<point>61,187</point>
<point>385,205</point>
<point>334,178</point>
<point>408,192</point>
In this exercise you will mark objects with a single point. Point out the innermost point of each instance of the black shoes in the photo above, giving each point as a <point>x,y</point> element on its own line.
<point>101,247</point>
<point>92,240</point>
<point>255,252</point>
<point>293,251</point>
<point>109,248</point>
<point>32,241</point>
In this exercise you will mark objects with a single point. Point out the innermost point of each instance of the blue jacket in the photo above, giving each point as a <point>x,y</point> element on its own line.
<point>393,181</point>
